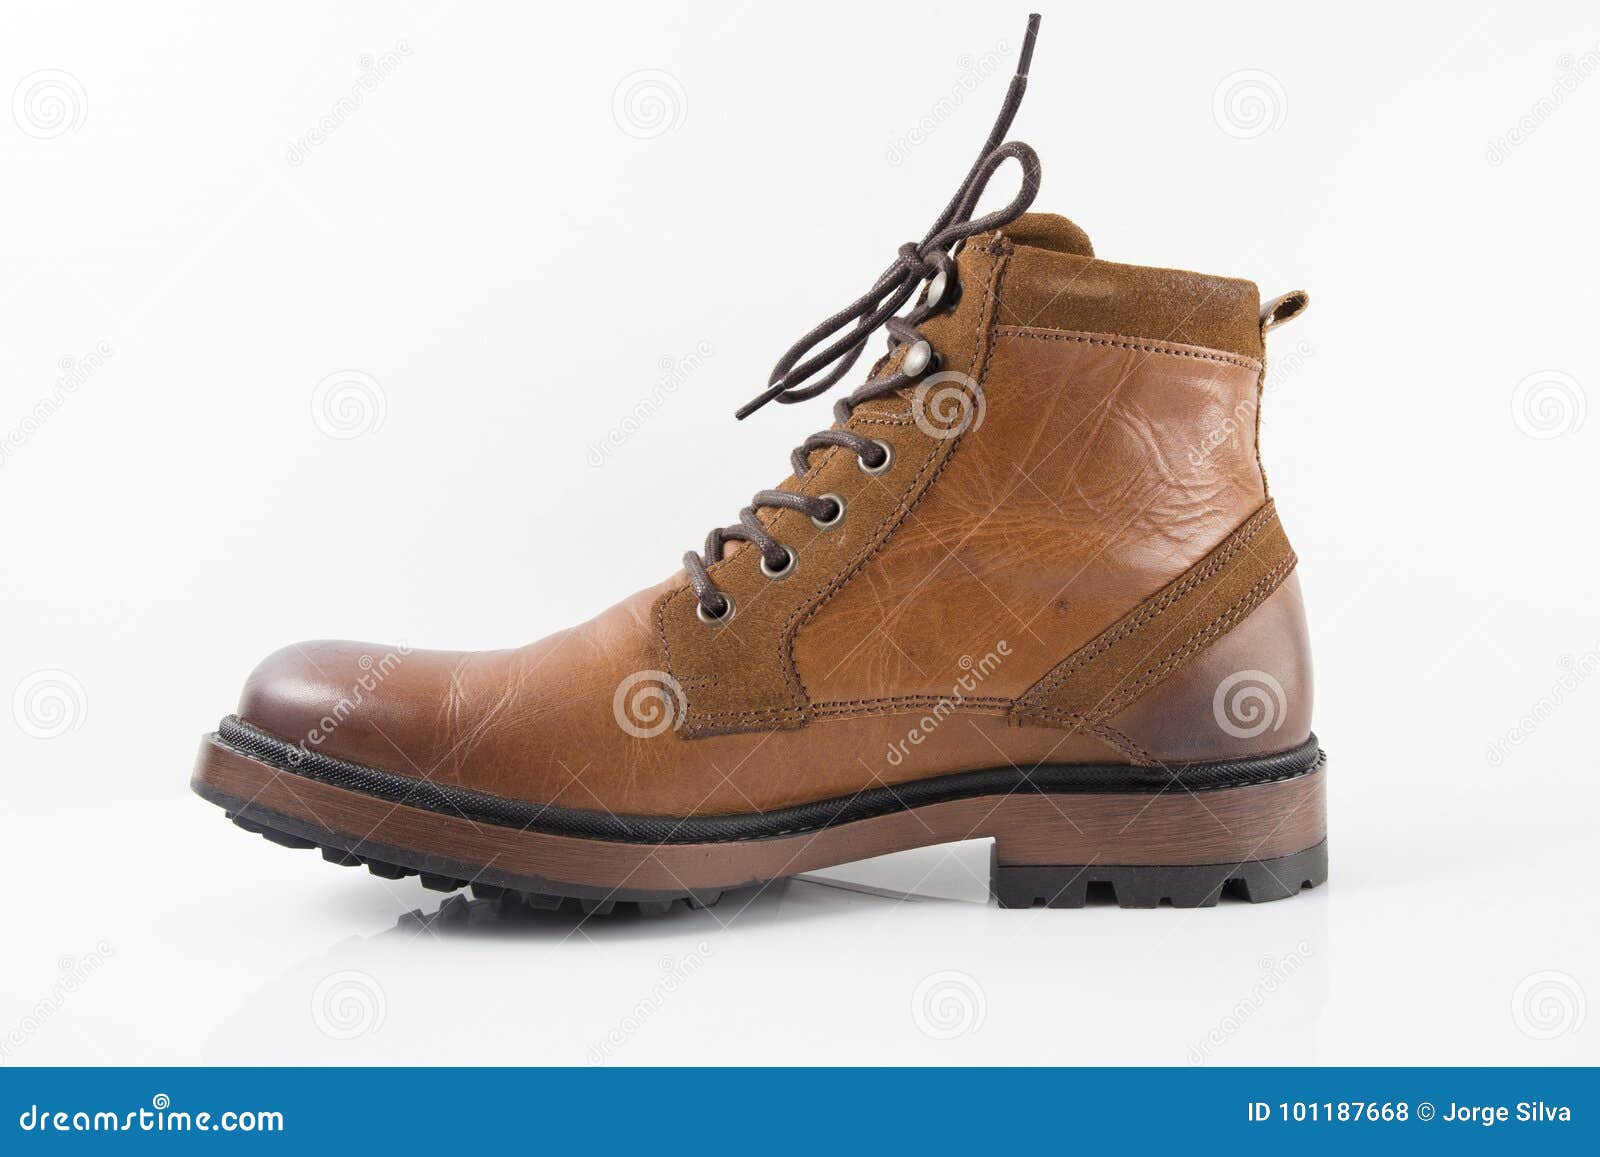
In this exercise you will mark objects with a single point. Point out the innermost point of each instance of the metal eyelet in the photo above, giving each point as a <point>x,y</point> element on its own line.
<point>918,359</point>
<point>881,467</point>
<point>716,620</point>
<point>943,291</point>
<point>785,570</point>
<point>838,516</point>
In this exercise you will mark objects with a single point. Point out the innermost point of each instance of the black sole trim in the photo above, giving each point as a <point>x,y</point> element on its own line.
<point>481,807</point>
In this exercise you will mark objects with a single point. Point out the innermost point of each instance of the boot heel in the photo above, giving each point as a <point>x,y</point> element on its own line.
<point>1258,843</point>
<point>1145,886</point>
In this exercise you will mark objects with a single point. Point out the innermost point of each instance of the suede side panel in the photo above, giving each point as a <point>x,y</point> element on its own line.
<point>1050,290</point>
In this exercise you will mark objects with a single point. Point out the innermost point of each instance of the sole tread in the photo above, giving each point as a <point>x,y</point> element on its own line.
<point>1146,886</point>
<point>456,910</point>
<point>1013,885</point>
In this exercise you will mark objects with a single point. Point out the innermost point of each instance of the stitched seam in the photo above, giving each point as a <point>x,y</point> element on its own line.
<point>1196,642</point>
<point>1218,626</point>
<point>1120,740</point>
<point>880,707</point>
<point>1158,606</point>
<point>985,347</point>
<point>906,419</point>
<point>897,515</point>
<point>736,712</point>
<point>755,713</point>
<point>1236,542</point>
<point>930,699</point>
<point>1075,718</point>
<point>931,469</point>
<point>661,634</point>
<point>998,711</point>
<point>910,705</point>
<point>1261,397</point>
<point>1130,344</point>
<point>1104,732</point>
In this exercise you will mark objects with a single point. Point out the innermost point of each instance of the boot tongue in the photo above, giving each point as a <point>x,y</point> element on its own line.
<point>1049,231</point>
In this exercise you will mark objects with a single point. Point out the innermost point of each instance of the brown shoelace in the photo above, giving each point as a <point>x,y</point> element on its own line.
<point>803,371</point>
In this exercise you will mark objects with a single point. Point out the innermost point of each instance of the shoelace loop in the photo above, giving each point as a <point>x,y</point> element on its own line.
<point>805,371</point>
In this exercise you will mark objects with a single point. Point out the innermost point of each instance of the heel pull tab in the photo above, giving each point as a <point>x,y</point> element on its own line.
<point>1281,309</point>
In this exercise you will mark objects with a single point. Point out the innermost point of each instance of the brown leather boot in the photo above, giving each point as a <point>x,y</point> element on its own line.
<point>1029,586</point>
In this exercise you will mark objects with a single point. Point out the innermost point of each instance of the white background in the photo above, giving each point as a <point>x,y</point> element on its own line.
<point>510,252</point>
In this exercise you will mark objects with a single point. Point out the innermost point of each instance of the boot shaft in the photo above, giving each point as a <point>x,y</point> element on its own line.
<point>1089,440</point>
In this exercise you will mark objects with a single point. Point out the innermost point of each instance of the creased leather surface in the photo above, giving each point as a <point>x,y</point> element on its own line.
<point>1108,460</point>
<point>741,675</point>
<point>1078,495</point>
<point>542,723</point>
<point>1165,632</point>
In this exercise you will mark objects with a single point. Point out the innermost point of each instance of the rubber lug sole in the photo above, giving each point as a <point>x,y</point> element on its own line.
<point>1264,840</point>
<point>454,911</point>
<point>1013,886</point>
<point>1139,886</point>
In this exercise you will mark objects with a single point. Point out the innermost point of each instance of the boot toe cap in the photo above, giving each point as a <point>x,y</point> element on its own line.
<point>342,698</point>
